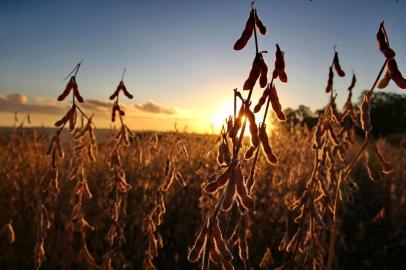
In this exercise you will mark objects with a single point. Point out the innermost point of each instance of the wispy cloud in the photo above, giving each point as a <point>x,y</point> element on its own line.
<point>93,105</point>
<point>146,116</point>
<point>154,107</point>
<point>20,103</point>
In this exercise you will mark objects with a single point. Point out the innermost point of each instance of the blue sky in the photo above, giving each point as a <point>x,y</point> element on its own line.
<point>179,53</point>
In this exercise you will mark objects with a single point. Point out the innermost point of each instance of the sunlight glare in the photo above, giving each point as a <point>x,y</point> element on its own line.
<point>219,117</point>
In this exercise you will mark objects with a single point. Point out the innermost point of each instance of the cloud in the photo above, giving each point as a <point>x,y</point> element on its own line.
<point>41,105</point>
<point>95,106</point>
<point>19,103</point>
<point>154,107</point>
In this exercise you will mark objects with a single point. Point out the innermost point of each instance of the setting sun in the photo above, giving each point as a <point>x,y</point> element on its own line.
<point>220,116</point>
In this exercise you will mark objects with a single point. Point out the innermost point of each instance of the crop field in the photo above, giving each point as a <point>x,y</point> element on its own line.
<point>272,188</point>
<point>372,220</point>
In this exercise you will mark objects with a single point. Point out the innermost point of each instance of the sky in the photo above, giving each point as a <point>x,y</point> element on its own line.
<point>179,57</point>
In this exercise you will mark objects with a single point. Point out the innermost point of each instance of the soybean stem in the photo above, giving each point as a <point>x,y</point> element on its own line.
<point>255,29</point>
<point>252,171</point>
<point>333,238</point>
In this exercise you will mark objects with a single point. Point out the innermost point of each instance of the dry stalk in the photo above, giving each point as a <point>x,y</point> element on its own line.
<point>84,142</point>
<point>375,162</point>
<point>118,186</point>
<point>214,244</point>
<point>155,217</point>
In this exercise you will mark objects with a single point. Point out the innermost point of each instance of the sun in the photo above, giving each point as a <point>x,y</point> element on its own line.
<point>219,117</point>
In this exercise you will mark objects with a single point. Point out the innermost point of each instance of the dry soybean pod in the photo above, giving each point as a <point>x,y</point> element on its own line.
<point>247,33</point>
<point>220,181</point>
<point>263,79</point>
<point>276,106</point>
<point>262,100</point>
<point>329,86</point>
<point>253,127</point>
<point>353,81</point>
<point>336,64</point>
<point>395,74</point>
<point>280,65</point>
<point>266,146</point>
<point>254,73</point>
<point>261,27</point>
<point>383,43</point>
<point>383,83</point>
<point>242,192</point>
<point>67,90</point>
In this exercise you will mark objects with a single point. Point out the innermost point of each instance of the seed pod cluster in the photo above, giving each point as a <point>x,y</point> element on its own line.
<point>149,228</point>
<point>121,87</point>
<point>259,68</point>
<point>49,182</point>
<point>221,180</point>
<point>72,85</point>
<point>239,237</point>
<point>84,148</point>
<point>266,147</point>
<point>392,71</point>
<point>279,70</point>
<point>55,147</point>
<point>234,179</point>
<point>69,116</point>
<point>116,109</point>
<point>276,106</point>
<point>253,21</point>
<point>383,42</point>
<point>244,198</point>
<point>124,135</point>
<point>211,235</point>
<point>115,166</point>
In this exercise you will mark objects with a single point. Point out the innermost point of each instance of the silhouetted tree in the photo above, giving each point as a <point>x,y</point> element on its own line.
<point>388,113</point>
